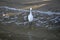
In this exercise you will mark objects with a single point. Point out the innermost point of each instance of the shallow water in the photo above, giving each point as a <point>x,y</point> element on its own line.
<point>46,24</point>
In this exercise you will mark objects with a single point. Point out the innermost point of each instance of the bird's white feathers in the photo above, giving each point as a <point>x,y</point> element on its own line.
<point>30,16</point>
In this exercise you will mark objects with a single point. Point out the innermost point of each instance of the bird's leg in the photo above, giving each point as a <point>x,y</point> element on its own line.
<point>30,25</point>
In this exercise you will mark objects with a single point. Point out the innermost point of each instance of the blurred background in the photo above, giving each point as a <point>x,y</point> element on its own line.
<point>35,4</point>
<point>31,32</point>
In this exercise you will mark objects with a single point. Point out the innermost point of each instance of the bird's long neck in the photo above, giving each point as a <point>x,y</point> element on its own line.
<point>30,11</point>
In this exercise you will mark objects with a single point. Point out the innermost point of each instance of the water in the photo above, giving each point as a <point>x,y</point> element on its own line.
<point>18,24</point>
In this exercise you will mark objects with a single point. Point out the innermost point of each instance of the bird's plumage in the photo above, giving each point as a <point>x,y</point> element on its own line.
<point>30,16</point>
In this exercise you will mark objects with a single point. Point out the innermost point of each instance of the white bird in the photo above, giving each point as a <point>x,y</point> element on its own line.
<point>30,16</point>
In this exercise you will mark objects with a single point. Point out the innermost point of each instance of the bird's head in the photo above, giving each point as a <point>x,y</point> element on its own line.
<point>30,8</point>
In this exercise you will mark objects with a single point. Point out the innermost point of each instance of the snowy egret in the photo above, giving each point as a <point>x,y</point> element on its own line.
<point>30,16</point>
